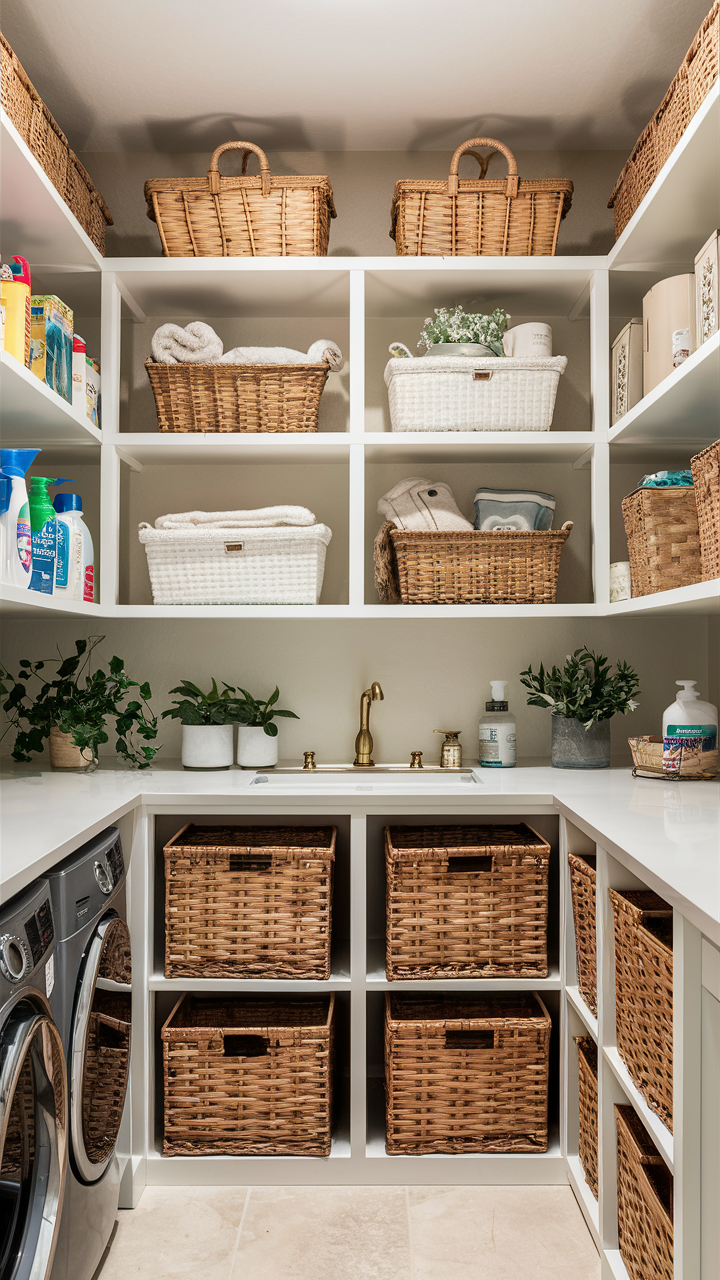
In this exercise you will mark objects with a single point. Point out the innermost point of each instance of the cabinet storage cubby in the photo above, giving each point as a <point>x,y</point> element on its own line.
<point>588,1109</point>
<point>645,1201</point>
<point>582,886</point>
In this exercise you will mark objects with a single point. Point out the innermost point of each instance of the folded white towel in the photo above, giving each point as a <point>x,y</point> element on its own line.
<point>322,350</point>
<point>197,343</point>
<point>420,504</point>
<point>260,518</point>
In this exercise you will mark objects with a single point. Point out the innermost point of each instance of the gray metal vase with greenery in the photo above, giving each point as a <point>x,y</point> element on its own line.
<point>583,696</point>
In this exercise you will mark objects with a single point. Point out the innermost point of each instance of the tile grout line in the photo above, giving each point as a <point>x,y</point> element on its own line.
<point>239,1233</point>
<point>409,1229</point>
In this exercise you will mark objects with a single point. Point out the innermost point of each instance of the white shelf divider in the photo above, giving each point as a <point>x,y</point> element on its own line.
<point>32,414</point>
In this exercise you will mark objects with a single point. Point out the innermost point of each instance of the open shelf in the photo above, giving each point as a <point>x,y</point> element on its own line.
<point>34,415</point>
<point>199,287</point>
<point>525,286</point>
<point>699,598</point>
<point>478,446</point>
<point>659,1132</point>
<point>682,207</point>
<point>585,1015</point>
<point>682,410</point>
<point>159,448</point>
<point>16,602</point>
<point>583,1194</point>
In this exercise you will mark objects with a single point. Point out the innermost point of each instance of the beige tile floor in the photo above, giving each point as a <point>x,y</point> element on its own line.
<point>352,1233</point>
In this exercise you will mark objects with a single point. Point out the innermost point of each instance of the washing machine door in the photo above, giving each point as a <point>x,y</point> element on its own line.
<point>33,1142</point>
<point>100,1049</point>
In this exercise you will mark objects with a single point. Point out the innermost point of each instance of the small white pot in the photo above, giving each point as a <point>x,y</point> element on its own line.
<point>207,746</point>
<point>256,750</point>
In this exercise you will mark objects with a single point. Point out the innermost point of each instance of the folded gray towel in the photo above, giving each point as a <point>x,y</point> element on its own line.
<point>420,504</point>
<point>197,343</point>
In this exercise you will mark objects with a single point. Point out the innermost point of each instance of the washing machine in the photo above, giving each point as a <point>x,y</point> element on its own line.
<point>33,1091</point>
<point>91,1002</point>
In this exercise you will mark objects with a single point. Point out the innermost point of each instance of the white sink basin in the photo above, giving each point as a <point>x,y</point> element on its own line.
<point>389,777</point>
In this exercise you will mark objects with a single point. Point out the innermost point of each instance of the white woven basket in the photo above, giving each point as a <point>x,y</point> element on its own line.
<point>236,566</point>
<point>473,393</point>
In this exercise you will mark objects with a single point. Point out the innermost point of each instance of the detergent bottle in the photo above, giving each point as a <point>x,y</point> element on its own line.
<point>17,564</point>
<point>15,301</point>
<point>43,528</point>
<point>74,565</point>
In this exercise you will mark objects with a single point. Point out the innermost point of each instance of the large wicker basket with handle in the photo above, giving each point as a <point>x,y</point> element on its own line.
<point>237,397</point>
<point>242,217</point>
<point>582,888</point>
<point>706,480</point>
<point>644,1201</point>
<point>487,217</point>
<point>588,1110</point>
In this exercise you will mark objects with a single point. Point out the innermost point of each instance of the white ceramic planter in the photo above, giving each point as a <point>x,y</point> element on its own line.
<point>207,746</point>
<point>255,749</point>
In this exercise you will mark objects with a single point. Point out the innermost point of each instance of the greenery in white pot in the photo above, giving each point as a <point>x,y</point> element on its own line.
<point>257,731</point>
<point>583,696</point>
<point>457,326</point>
<point>207,721</point>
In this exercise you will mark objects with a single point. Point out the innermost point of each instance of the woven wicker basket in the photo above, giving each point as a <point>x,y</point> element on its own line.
<point>484,217</point>
<point>466,902</point>
<point>249,902</point>
<point>498,566</point>
<point>692,765</point>
<point>644,1201</point>
<point>466,1073</point>
<point>237,397</point>
<point>241,217</point>
<point>248,1076</point>
<point>706,480</point>
<point>588,1110</point>
<point>51,149</point>
<point>464,393</point>
<point>663,539</point>
<point>689,88</point>
<point>644,994</point>
<point>582,888</point>
<point>212,565</point>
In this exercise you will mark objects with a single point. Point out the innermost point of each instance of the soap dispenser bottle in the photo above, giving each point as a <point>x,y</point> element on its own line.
<point>498,749</point>
<point>689,717</point>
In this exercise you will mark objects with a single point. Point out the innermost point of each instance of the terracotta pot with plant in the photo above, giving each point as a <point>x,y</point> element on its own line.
<point>583,696</point>
<point>71,709</point>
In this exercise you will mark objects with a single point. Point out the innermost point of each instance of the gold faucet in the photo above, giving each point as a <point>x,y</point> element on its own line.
<point>364,742</point>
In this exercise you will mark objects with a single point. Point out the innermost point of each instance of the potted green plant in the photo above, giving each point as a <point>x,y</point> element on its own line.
<point>70,711</point>
<point>257,731</point>
<point>459,333</point>
<point>207,721</point>
<point>583,696</point>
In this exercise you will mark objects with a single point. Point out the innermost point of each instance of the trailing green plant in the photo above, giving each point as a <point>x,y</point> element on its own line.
<point>256,713</point>
<point>458,326</point>
<point>196,707</point>
<point>79,701</point>
<point>584,689</point>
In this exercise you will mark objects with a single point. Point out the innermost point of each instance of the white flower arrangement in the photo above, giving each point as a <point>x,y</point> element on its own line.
<point>457,326</point>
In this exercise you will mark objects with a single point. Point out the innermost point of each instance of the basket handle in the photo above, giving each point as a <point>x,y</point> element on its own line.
<point>483,161</point>
<point>511,188</point>
<point>567,525</point>
<point>246,148</point>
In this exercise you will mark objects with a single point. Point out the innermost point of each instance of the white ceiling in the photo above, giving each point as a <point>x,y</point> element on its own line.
<point>175,75</point>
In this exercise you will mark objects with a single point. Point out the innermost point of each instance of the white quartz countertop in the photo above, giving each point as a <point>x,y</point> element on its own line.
<point>667,833</point>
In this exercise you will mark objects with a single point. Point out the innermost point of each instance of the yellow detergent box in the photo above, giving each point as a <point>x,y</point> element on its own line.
<point>51,343</point>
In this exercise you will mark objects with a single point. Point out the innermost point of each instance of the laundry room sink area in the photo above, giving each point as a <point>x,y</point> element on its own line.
<point>381,777</point>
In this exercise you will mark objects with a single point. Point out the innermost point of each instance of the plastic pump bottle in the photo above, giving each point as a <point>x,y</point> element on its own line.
<point>689,717</point>
<point>43,526</point>
<point>498,742</point>
<point>17,560</point>
<point>74,565</point>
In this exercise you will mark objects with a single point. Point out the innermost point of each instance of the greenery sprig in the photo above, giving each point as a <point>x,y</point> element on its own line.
<point>196,707</point>
<point>457,326</point>
<point>584,689</point>
<point>255,712</point>
<point>79,701</point>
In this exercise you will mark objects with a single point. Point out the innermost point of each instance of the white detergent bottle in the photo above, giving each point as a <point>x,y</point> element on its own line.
<point>16,568</point>
<point>74,562</point>
<point>689,717</point>
<point>498,739</point>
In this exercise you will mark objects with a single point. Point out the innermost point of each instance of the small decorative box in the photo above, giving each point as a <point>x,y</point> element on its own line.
<point>707,269</point>
<point>627,369</point>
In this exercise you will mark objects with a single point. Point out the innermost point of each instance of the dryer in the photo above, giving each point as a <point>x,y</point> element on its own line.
<point>33,1093</point>
<point>91,1002</point>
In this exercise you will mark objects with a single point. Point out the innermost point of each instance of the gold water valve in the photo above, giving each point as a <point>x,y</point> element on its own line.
<point>451,753</point>
<point>416,760</point>
<point>309,760</point>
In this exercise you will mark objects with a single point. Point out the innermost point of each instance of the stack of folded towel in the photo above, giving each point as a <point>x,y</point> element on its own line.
<point>198,343</point>
<point>422,504</point>
<point>259,518</point>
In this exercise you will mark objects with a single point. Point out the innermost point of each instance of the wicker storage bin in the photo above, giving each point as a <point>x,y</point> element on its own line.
<point>689,88</point>
<point>249,902</point>
<point>644,994</point>
<point>51,149</point>
<point>466,1073</point>
<point>644,1201</point>
<point>247,1075</point>
<point>706,480</point>
<point>661,526</point>
<point>582,888</point>
<point>107,1068</point>
<point>498,566</point>
<point>692,764</point>
<point>467,393</point>
<point>237,397</point>
<point>466,902</point>
<point>241,217</point>
<point>588,1110</point>
<point>494,217</point>
<point>212,565</point>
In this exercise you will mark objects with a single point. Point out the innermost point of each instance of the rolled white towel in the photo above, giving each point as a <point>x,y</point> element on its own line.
<point>320,351</point>
<point>419,504</point>
<point>260,518</point>
<point>197,343</point>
